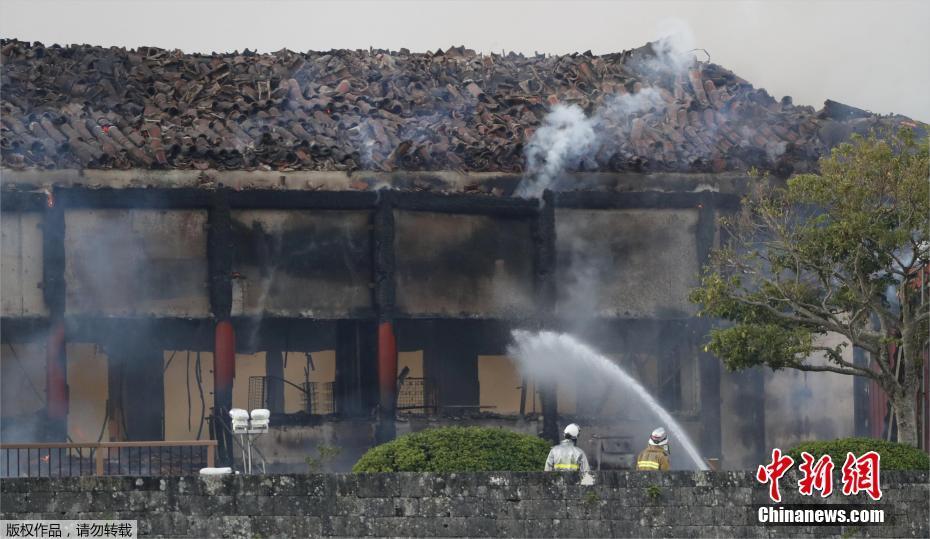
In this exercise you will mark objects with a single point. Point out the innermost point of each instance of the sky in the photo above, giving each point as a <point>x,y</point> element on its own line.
<point>870,54</point>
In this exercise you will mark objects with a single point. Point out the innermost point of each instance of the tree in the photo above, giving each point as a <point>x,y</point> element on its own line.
<point>843,251</point>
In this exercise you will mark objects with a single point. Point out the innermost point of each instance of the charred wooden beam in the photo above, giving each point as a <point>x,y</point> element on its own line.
<point>17,329</point>
<point>383,300</point>
<point>220,255</point>
<point>54,294</point>
<point>465,204</point>
<point>299,199</point>
<point>136,391</point>
<point>706,229</point>
<point>283,333</point>
<point>384,289</point>
<point>356,387</point>
<point>708,365</point>
<point>543,233</point>
<point>613,200</point>
<point>220,250</point>
<point>23,201</point>
<point>546,294</point>
<point>458,376</point>
<point>709,375</point>
<point>168,333</point>
<point>53,258</point>
<point>135,198</point>
<point>274,381</point>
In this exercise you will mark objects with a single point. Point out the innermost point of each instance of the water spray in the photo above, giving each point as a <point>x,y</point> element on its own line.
<point>548,355</point>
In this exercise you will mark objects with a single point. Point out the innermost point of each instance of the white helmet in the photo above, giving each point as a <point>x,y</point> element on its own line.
<point>572,430</point>
<point>659,437</point>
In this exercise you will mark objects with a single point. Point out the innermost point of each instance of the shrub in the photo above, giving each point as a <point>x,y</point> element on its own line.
<point>894,456</point>
<point>457,449</point>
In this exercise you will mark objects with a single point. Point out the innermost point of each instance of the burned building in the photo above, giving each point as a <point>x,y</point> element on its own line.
<point>336,236</point>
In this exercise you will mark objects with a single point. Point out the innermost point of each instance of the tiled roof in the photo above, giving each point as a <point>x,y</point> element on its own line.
<point>94,107</point>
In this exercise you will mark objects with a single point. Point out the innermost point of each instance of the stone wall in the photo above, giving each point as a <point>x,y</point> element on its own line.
<point>620,504</point>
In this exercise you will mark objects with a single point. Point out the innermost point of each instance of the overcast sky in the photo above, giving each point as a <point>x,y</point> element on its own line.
<point>870,54</point>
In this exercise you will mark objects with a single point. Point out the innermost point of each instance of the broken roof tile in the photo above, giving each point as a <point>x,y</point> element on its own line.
<point>94,107</point>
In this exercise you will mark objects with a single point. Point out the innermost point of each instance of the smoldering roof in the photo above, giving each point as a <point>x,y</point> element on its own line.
<point>91,107</point>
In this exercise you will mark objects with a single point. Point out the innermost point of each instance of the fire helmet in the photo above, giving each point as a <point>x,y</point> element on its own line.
<point>572,431</point>
<point>659,437</point>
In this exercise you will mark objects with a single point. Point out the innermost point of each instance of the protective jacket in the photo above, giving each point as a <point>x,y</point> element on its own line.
<point>652,458</point>
<point>566,457</point>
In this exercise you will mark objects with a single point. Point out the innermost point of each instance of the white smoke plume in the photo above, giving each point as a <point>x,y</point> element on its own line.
<point>568,137</point>
<point>565,135</point>
<point>674,46</point>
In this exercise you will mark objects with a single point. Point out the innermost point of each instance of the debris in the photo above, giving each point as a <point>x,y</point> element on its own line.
<point>92,107</point>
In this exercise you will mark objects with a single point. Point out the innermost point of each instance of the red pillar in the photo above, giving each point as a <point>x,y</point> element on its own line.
<point>387,381</point>
<point>56,383</point>
<point>387,367</point>
<point>224,360</point>
<point>224,371</point>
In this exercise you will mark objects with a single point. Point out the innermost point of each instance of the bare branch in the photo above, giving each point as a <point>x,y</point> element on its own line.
<point>838,370</point>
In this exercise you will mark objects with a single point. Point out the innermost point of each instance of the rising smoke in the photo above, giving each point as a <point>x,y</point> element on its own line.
<point>568,138</point>
<point>566,135</point>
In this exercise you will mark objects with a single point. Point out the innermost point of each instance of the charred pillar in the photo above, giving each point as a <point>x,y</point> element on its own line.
<point>357,389</point>
<point>136,389</point>
<point>53,291</point>
<point>384,302</point>
<point>220,257</point>
<point>672,345</point>
<point>451,363</point>
<point>274,381</point>
<point>708,364</point>
<point>544,243</point>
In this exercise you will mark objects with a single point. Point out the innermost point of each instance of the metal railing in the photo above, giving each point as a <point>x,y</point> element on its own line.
<point>319,397</point>
<point>106,458</point>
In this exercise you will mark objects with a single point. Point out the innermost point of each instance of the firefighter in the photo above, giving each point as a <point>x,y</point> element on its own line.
<point>567,457</point>
<point>655,456</point>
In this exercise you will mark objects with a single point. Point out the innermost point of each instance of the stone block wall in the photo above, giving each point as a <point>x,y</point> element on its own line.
<point>620,504</point>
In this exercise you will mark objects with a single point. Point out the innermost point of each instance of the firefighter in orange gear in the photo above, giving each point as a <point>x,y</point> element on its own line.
<point>655,456</point>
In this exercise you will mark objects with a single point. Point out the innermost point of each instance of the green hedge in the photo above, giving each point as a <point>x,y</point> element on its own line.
<point>457,449</point>
<point>895,456</point>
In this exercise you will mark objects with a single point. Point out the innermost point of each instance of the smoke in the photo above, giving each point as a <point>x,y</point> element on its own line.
<point>565,136</point>
<point>568,138</point>
<point>22,388</point>
<point>673,46</point>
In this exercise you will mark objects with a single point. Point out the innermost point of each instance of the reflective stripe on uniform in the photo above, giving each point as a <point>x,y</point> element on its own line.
<point>566,466</point>
<point>647,465</point>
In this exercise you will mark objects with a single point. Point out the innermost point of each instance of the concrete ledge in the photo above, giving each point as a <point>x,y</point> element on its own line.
<point>620,504</point>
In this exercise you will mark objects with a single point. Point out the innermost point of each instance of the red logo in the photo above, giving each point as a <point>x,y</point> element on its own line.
<point>816,476</point>
<point>861,474</point>
<point>773,472</point>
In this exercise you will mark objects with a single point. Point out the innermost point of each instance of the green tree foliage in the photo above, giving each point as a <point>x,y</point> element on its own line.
<point>821,255</point>
<point>457,449</point>
<point>894,456</point>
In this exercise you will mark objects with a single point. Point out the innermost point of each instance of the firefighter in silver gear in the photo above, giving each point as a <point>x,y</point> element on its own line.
<point>566,457</point>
